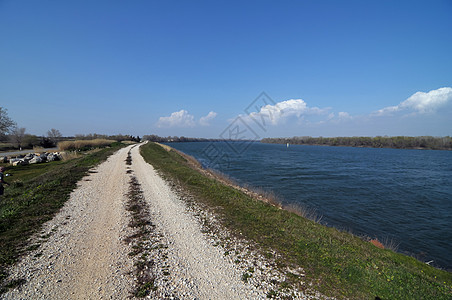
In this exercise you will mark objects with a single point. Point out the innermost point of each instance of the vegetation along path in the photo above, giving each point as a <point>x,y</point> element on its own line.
<point>93,242</point>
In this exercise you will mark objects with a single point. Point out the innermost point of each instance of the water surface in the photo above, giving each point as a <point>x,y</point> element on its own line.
<point>392,194</point>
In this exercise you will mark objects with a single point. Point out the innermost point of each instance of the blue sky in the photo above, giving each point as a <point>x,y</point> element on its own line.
<point>328,68</point>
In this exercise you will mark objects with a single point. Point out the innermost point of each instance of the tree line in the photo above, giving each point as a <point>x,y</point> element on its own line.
<point>399,142</point>
<point>116,137</point>
<point>13,136</point>
<point>170,139</point>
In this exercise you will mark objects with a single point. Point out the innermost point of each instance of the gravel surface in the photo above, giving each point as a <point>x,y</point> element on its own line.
<point>195,268</point>
<point>83,253</point>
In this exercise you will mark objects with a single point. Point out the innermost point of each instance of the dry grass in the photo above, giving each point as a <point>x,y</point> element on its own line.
<point>167,148</point>
<point>391,244</point>
<point>377,243</point>
<point>69,155</point>
<point>83,144</point>
<point>264,195</point>
<point>386,243</point>
<point>302,211</point>
<point>38,149</point>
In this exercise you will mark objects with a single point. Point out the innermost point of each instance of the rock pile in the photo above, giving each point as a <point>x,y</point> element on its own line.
<point>31,158</point>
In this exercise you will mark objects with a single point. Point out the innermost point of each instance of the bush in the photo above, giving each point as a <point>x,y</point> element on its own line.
<point>84,144</point>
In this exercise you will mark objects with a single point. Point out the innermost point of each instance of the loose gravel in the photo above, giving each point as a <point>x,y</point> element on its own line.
<point>194,268</point>
<point>82,255</point>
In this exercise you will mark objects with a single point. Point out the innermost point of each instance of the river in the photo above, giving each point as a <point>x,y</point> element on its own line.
<point>398,196</point>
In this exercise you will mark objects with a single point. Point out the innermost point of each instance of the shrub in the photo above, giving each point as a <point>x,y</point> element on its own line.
<point>84,144</point>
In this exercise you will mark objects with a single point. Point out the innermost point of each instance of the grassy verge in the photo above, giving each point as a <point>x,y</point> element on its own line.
<point>335,263</point>
<point>36,193</point>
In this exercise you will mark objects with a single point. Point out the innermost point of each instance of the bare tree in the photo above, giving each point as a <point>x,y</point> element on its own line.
<point>5,122</point>
<point>17,135</point>
<point>54,135</point>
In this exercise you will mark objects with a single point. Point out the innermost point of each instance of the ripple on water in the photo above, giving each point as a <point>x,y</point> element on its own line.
<point>402,195</point>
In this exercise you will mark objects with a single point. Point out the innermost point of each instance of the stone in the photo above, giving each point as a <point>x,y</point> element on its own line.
<point>13,160</point>
<point>20,162</point>
<point>35,160</point>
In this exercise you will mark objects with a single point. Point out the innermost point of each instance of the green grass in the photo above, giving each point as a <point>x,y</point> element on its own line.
<point>336,263</point>
<point>36,193</point>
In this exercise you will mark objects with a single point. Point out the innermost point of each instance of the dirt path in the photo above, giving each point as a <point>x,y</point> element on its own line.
<point>84,256</point>
<point>197,269</point>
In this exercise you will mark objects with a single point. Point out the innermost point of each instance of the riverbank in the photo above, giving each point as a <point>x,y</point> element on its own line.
<point>334,262</point>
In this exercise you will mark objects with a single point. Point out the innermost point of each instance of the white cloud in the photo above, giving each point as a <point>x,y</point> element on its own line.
<point>183,119</point>
<point>285,109</point>
<point>177,119</point>
<point>342,115</point>
<point>295,116</point>
<point>420,102</point>
<point>204,121</point>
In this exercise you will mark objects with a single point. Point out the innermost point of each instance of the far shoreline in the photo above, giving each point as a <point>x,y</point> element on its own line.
<point>396,142</point>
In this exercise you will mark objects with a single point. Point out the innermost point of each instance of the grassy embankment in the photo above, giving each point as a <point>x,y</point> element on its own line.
<point>336,263</point>
<point>36,193</point>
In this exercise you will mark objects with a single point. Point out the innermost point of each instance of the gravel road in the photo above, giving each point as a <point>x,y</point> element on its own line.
<point>196,268</point>
<point>83,256</point>
<point>82,253</point>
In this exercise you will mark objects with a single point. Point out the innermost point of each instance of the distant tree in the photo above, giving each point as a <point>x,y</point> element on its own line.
<point>30,140</point>
<point>46,142</point>
<point>6,124</point>
<point>54,135</point>
<point>17,136</point>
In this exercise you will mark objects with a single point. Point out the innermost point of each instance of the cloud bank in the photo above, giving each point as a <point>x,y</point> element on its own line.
<point>420,102</point>
<point>183,119</point>
<point>281,111</point>
<point>204,121</point>
<point>423,113</point>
